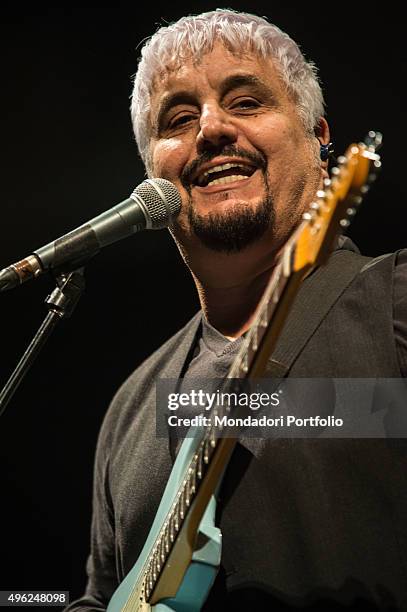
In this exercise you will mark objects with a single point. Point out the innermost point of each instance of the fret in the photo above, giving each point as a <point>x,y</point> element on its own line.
<point>157,564</point>
<point>150,584</point>
<point>212,439</point>
<point>162,550</point>
<point>181,505</point>
<point>193,478</point>
<point>287,261</point>
<point>167,538</point>
<point>184,495</point>
<point>244,365</point>
<point>206,452</point>
<point>172,528</point>
<point>254,338</point>
<point>263,320</point>
<point>187,493</point>
<point>199,470</point>
<point>176,517</point>
<point>276,291</point>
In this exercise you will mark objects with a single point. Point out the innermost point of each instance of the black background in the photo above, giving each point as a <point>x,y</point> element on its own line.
<point>68,154</point>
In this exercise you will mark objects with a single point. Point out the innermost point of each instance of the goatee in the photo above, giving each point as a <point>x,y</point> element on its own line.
<point>233,230</point>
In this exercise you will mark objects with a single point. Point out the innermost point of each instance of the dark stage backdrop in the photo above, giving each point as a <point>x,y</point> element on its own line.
<point>68,154</point>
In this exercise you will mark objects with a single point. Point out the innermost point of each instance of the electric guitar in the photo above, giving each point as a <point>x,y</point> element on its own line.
<point>181,557</point>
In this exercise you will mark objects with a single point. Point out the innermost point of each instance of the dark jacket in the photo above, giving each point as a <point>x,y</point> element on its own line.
<point>314,523</point>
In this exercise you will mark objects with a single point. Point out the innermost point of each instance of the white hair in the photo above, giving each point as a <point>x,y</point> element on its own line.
<point>195,35</point>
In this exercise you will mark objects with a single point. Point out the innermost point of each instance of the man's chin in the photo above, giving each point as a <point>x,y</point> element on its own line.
<point>233,228</point>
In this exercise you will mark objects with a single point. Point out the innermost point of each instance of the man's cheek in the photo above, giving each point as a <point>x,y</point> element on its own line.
<point>168,159</point>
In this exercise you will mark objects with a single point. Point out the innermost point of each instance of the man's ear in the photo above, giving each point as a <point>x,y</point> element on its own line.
<point>323,135</point>
<point>322,131</point>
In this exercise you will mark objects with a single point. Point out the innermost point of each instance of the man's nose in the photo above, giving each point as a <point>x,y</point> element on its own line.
<point>217,128</point>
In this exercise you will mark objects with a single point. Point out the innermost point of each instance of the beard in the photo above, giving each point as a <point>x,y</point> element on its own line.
<point>233,230</point>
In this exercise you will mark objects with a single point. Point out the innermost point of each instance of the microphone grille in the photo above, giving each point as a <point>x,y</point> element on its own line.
<point>161,199</point>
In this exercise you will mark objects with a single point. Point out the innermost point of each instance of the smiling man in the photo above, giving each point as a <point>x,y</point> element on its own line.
<point>226,107</point>
<point>228,132</point>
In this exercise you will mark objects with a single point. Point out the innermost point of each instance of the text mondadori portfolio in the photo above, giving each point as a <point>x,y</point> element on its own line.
<point>287,420</point>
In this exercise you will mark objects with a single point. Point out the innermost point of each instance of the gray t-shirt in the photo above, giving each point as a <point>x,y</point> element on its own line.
<point>214,353</point>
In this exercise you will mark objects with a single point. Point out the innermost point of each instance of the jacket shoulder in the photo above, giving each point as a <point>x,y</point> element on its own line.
<point>165,362</point>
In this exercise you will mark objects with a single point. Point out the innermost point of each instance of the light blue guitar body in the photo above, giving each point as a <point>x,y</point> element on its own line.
<point>205,562</point>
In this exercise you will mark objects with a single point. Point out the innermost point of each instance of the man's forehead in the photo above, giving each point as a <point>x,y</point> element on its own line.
<point>177,74</point>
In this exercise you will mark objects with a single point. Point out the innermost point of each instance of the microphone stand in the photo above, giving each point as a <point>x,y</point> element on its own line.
<point>61,303</point>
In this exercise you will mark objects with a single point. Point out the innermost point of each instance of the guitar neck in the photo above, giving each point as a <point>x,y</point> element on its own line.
<point>271,314</point>
<point>309,246</point>
<point>205,471</point>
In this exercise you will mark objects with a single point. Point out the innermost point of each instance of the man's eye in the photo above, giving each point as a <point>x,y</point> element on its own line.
<point>246,103</point>
<point>180,120</point>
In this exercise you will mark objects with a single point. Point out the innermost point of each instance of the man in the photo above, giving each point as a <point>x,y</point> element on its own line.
<point>226,107</point>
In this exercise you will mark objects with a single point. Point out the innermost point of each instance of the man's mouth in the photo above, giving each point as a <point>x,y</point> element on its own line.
<point>223,174</point>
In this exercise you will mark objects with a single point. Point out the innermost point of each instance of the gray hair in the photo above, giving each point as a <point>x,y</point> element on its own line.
<point>195,35</point>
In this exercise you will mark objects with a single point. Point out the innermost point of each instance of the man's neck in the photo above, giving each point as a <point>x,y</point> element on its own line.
<point>231,310</point>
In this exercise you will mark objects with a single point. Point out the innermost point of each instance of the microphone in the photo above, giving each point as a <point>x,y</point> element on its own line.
<point>152,205</point>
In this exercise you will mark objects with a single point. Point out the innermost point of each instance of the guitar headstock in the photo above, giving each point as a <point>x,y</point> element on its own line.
<point>336,204</point>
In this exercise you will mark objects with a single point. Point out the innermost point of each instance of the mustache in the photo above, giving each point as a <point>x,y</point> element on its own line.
<point>191,169</point>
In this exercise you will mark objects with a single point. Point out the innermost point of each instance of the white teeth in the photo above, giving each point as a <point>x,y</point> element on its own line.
<point>221,167</point>
<point>228,179</point>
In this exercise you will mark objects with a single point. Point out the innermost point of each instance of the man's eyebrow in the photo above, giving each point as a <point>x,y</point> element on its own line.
<point>240,80</point>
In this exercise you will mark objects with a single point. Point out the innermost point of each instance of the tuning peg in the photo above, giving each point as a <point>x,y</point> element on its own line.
<point>373,140</point>
<point>344,223</point>
<point>342,160</point>
<point>371,178</point>
<point>327,182</point>
<point>315,206</point>
<point>335,171</point>
<point>315,228</point>
<point>364,188</point>
<point>350,212</point>
<point>307,216</point>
